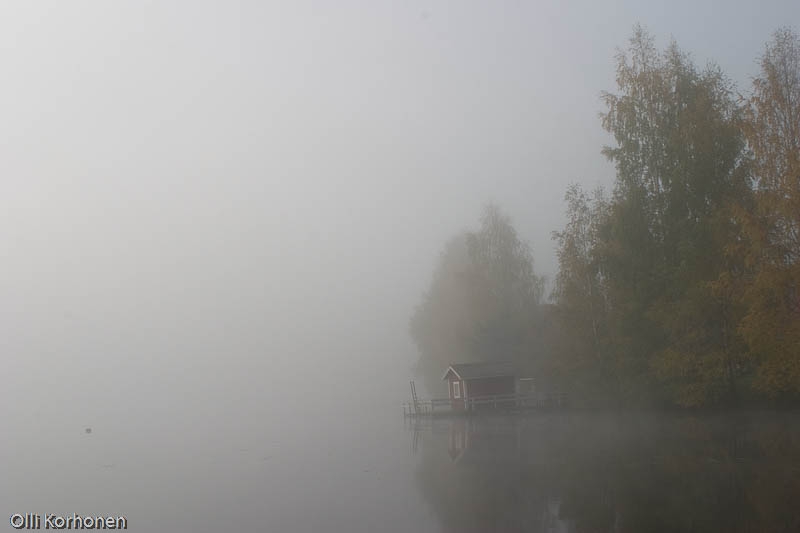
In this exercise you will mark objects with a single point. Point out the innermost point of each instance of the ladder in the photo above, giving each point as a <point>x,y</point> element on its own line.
<point>414,396</point>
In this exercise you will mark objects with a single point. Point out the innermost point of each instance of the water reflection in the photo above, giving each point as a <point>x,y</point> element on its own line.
<point>611,473</point>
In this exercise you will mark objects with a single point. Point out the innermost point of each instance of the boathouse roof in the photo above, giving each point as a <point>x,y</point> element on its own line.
<point>466,371</point>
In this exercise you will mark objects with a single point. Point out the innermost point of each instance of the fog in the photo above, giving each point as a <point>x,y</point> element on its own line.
<point>217,217</point>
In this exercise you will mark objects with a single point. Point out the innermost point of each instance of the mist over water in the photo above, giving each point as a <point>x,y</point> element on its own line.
<point>545,472</point>
<point>166,473</point>
<point>216,219</point>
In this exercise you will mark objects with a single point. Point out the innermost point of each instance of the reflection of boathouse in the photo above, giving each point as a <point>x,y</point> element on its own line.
<point>610,472</point>
<point>484,443</point>
<point>493,477</point>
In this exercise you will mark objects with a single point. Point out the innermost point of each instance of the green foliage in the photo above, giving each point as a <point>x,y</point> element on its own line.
<point>772,229</point>
<point>580,294</point>
<point>684,286</point>
<point>503,284</point>
<point>679,158</point>
<point>481,302</point>
<point>441,324</point>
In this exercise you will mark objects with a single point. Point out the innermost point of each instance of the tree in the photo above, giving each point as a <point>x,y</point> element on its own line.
<point>503,283</point>
<point>580,295</point>
<point>772,230</point>
<point>482,299</point>
<point>442,323</point>
<point>679,160</point>
<point>579,288</point>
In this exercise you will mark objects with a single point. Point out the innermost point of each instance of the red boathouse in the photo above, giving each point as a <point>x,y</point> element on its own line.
<point>475,380</point>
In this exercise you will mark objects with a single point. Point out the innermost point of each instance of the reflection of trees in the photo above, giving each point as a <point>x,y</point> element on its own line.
<point>620,473</point>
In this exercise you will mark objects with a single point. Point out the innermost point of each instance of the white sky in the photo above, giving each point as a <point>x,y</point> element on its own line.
<point>198,197</point>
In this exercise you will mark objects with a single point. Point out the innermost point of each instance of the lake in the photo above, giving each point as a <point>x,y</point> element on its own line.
<point>345,472</point>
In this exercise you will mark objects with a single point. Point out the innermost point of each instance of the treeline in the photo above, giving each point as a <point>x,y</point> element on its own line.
<point>681,286</point>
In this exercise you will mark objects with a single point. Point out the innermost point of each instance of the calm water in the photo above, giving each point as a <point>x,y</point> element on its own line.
<point>549,472</point>
<point>616,473</point>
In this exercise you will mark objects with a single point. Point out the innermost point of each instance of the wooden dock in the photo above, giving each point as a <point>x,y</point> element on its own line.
<point>505,402</point>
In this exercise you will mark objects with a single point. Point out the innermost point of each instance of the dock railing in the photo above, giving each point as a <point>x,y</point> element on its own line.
<point>436,406</point>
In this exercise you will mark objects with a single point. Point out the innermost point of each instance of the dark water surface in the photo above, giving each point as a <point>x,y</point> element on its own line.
<point>620,473</point>
<point>554,472</point>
